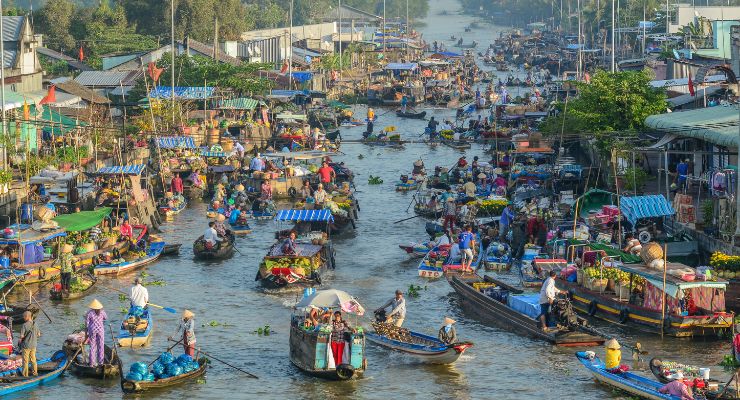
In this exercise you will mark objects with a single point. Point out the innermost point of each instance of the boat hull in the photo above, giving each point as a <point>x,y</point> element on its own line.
<point>627,382</point>
<point>153,253</point>
<point>440,355</point>
<point>59,361</point>
<point>226,250</point>
<point>129,386</point>
<point>138,339</point>
<point>308,352</point>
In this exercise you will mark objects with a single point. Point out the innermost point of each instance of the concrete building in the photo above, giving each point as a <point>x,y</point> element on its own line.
<point>685,13</point>
<point>21,64</point>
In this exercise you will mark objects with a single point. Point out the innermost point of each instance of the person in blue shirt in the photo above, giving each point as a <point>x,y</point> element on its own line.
<point>507,216</point>
<point>234,216</point>
<point>404,103</point>
<point>682,169</point>
<point>466,243</point>
<point>257,164</point>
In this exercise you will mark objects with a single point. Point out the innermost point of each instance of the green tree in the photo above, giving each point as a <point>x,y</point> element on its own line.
<point>54,21</point>
<point>612,102</point>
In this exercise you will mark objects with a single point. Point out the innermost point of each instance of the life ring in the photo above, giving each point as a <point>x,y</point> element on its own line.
<point>624,316</point>
<point>42,272</point>
<point>644,237</point>
<point>292,192</point>
<point>592,308</point>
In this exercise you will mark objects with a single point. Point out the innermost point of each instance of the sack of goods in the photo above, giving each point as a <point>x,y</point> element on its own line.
<point>138,372</point>
<point>168,366</point>
<point>9,364</point>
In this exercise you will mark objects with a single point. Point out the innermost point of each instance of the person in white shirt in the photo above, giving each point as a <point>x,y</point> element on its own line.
<point>210,235</point>
<point>139,295</point>
<point>456,136</point>
<point>547,297</point>
<point>398,309</point>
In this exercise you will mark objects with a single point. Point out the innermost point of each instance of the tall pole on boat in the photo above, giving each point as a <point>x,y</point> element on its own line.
<point>407,29</point>
<point>2,93</point>
<point>289,49</point>
<point>172,58</point>
<point>663,295</point>
<point>384,30</point>
<point>340,36</point>
<point>613,32</point>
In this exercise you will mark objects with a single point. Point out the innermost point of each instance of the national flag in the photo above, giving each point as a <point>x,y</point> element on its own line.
<point>154,72</point>
<point>50,97</point>
<point>81,54</point>
<point>691,86</point>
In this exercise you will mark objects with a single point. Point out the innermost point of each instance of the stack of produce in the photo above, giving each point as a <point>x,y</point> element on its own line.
<point>727,266</point>
<point>77,284</point>
<point>13,362</point>
<point>491,207</point>
<point>392,332</point>
<point>168,366</point>
<point>138,372</point>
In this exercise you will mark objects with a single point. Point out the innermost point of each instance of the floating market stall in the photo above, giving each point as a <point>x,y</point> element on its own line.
<point>29,251</point>
<point>179,155</point>
<point>291,169</point>
<point>125,189</point>
<point>313,255</point>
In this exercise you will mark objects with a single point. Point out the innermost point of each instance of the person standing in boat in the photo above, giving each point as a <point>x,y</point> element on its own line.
<point>139,295</point>
<point>66,266</point>
<point>187,329</point>
<point>338,328</point>
<point>27,343</point>
<point>547,297</point>
<point>432,128</point>
<point>176,184</point>
<point>404,103</point>
<point>398,309</point>
<point>95,332</point>
<point>447,333</point>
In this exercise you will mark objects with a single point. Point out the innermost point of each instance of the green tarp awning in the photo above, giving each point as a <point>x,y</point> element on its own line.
<point>716,125</point>
<point>241,103</point>
<point>82,220</point>
<point>610,251</point>
<point>338,104</point>
<point>55,122</point>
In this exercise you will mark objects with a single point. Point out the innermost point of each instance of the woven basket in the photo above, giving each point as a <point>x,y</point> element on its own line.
<point>651,251</point>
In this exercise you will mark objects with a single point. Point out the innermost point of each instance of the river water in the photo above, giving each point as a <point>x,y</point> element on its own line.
<point>230,305</point>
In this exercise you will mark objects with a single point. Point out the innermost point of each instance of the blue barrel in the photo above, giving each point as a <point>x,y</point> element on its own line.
<point>4,262</point>
<point>27,212</point>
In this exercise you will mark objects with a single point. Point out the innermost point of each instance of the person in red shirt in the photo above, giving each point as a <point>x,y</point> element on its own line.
<point>177,185</point>
<point>127,231</point>
<point>326,173</point>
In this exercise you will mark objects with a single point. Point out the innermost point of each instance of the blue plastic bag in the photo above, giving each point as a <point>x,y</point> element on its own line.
<point>149,377</point>
<point>157,368</point>
<point>173,369</point>
<point>184,359</point>
<point>139,368</point>
<point>166,358</point>
<point>136,311</point>
<point>132,376</point>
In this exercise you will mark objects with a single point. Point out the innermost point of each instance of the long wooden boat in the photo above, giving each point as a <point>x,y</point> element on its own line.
<point>457,145</point>
<point>278,271</point>
<point>171,249</point>
<point>136,332</point>
<point>111,368</point>
<point>129,386</point>
<point>240,229</point>
<point>494,306</point>
<point>411,115</point>
<point>15,312</point>
<point>607,306</point>
<point>57,294</point>
<point>415,250</point>
<point>422,347</point>
<point>152,254</point>
<point>169,212</point>
<point>626,381</point>
<point>225,249</point>
<point>308,352</point>
<point>49,369</point>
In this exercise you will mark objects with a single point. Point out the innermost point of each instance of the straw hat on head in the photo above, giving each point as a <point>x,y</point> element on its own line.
<point>220,218</point>
<point>169,194</point>
<point>612,344</point>
<point>95,305</point>
<point>450,200</point>
<point>449,321</point>
<point>187,314</point>
<point>240,188</point>
<point>498,171</point>
<point>418,163</point>
<point>67,248</point>
<point>481,176</point>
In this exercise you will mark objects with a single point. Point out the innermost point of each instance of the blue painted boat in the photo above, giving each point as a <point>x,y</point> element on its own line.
<point>116,268</point>
<point>136,332</point>
<point>626,381</point>
<point>170,212</point>
<point>496,256</point>
<point>49,370</point>
<point>240,229</point>
<point>424,348</point>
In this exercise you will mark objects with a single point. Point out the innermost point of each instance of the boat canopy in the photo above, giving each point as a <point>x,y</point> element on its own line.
<point>135,169</point>
<point>82,220</point>
<point>638,207</point>
<point>402,66</point>
<point>673,284</point>
<point>172,142</point>
<point>297,155</point>
<point>593,200</point>
<point>304,215</point>
<point>626,258</point>
<point>301,117</point>
<point>183,92</point>
<point>332,298</point>
<point>241,103</point>
<point>25,235</point>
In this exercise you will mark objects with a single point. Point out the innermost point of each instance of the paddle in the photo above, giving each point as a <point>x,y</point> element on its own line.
<point>167,351</point>
<point>114,354</point>
<point>224,362</point>
<point>636,349</point>
<point>406,219</point>
<point>168,309</point>
<point>33,300</point>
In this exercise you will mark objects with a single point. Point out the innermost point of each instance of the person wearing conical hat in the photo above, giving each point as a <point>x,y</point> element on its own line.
<point>447,333</point>
<point>66,266</point>
<point>613,354</point>
<point>95,330</point>
<point>187,330</point>
<point>219,226</point>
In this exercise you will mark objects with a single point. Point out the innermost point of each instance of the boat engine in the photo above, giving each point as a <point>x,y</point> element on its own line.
<point>563,312</point>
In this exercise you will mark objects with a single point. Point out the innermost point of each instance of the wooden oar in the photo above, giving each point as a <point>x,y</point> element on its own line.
<point>406,219</point>
<point>167,351</point>
<point>168,309</point>
<point>224,362</point>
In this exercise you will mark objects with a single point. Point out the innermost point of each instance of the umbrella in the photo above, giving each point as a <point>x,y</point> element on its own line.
<point>332,298</point>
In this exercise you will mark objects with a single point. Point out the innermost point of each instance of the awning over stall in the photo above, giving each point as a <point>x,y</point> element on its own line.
<point>82,220</point>
<point>638,207</point>
<point>25,235</point>
<point>304,215</point>
<point>176,141</point>
<point>135,169</point>
<point>241,103</point>
<point>183,92</point>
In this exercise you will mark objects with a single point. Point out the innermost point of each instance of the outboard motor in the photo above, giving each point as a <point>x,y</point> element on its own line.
<point>563,311</point>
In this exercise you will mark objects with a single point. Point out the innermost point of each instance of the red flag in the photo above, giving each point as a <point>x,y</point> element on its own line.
<point>154,72</point>
<point>691,86</point>
<point>284,69</point>
<point>26,111</point>
<point>50,97</point>
<point>81,54</point>
<point>587,77</point>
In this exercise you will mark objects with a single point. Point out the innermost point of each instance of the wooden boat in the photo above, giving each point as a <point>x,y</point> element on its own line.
<point>169,212</point>
<point>415,249</point>
<point>278,270</point>
<point>310,346</point>
<point>15,313</point>
<point>422,347</point>
<point>411,115</point>
<point>171,249</point>
<point>117,268</point>
<point>709,388</point>
<point>129,386</point>
<point>49,369</point>
<point>626,381</point>
<point>57,294</point>
<point>136,332</point>
<point>459,145</point>
<point>406,184</point>
<point>225,249</point>
<point>496,257</point>
<point>240,229</point>
<point>482,297</point>
<point>109,369</point>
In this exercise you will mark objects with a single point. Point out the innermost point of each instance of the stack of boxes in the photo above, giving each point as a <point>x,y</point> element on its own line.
<point>684,206</point>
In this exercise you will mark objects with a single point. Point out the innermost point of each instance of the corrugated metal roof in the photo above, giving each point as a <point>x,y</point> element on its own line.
<point>241,103</point>
<point>717,125</point>
<point>107,78</point>
<point>73,87</point>
<point>12,26</point>
<point>183,92</point>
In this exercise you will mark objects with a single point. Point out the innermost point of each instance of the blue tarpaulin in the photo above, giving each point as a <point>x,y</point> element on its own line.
<point>135,169</point>
<point>527,304</point>
<point>304,215</point>
<point>402,66</point>
<point>176,141</point>
<point>637,207</point>
<point>449,54</point>
<point>182,92</point>
<point>302,76</point>
<point>208,153</point>
<point>289,93</point>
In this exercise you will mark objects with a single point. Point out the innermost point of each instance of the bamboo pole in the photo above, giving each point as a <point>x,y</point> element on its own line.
<point>663,296</point>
